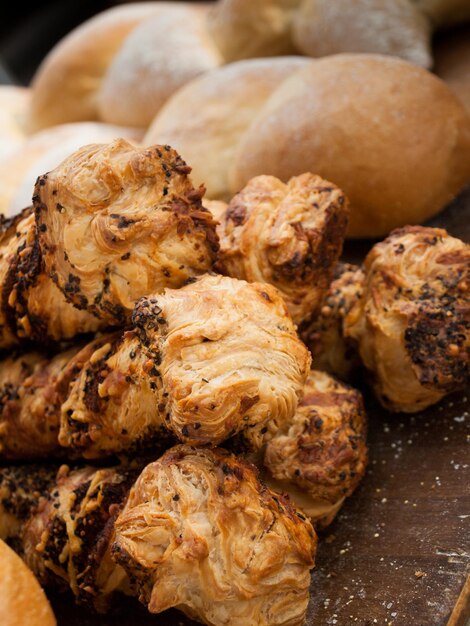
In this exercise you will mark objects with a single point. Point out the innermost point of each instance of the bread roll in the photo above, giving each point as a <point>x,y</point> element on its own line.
<point>322,27</point>
<point>445,12</point>
<point>22,601</point>
<point>44,151</point>
<point>206,118</point>
<point>452,62</point>
<point>14,102</point>
<point>247,28</point>
<point>65,85</point>
<point>159,56</point>
<point>390,134</point>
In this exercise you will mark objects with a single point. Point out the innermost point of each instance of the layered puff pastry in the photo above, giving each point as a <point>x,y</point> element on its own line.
<point>287,234</point>
<point>320,457</point>
<point>112,223</point>
<point>215,358</point>
<point>412,321</point>
<point>198,531</point>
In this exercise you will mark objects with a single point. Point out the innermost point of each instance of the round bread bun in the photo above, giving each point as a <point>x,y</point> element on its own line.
<point>158,56</point>
<point>452,62</point>
<point>43,151</point>
<point>391,135</point>
<point>445,12</point>
<point>66,83</point>
<point>397,28</point>
<point>22,600</point>
<point>244,29</point>
<point>14,103</point>
<point>205,119</point>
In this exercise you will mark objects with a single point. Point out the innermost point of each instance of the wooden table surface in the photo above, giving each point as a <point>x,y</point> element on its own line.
<point>399,552</point>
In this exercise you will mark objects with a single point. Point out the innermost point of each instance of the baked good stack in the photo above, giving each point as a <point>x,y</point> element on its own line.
<point>188,359</point>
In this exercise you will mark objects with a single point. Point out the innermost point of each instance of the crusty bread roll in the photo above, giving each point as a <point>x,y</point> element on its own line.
<point>452,62</point>
<point>66,83</point>
<point>248,28</point>
<point>445,12</point>
<point>159,56</point>
<point>14,102</point>
<point>206,118</point>
<point>45,150</point>
<point>22,600</point>
<point>387,132</point>
<point>323,27</point>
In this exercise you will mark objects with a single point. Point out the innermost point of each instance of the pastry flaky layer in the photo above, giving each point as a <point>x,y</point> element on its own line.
<point>217,357</point>
<point>287,234</point>
<point>198,531</point>
<point>412,321</point>
<point>111,224</point>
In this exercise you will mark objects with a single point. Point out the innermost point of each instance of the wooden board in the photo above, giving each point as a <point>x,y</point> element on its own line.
<point>399,552</point>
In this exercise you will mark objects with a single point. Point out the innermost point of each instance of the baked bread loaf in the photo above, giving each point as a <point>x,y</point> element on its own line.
<point>391,135</point>
<point>206,119</point>
<point>245,29</point>
<point>397,28</point>
<point>45,150</point>
<point>14,103</point>
<point>452,62</point>
<point>86,75</point>
<point>22,600</point>
<point>161,54</point>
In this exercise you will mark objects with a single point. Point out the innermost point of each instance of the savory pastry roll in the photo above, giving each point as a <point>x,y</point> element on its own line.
<point>199,532</point>
<point>112,223</point>
<point>321,456</point>
<point>217,357</point>
<point>412,321</point>
<point>32,390</point>
<point>287,234</point>
<point>323,334</point>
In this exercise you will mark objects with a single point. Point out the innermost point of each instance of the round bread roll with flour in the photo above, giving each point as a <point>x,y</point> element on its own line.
<point>108,69</point>
<point>43,151</point>
<point>391,135</point>
<point>206,118</point>
<point>22,601</point>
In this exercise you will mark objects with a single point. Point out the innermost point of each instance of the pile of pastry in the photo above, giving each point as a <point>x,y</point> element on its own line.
<point>162,431</point>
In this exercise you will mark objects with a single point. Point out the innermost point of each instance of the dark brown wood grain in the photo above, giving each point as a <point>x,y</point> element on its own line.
<point>399,552</point>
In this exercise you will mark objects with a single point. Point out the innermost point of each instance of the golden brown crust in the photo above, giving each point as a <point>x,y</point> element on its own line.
<point>323,334</point>
<point>323,450</point>
<point>200,532</point>
<point>66,538</point>
<point>115,400</point>
<point>23,600</point>
<point>412,323</point>
<point>229,358</point>
<point>116,223</point>
<point>32,389</point>
<point>290,235</point>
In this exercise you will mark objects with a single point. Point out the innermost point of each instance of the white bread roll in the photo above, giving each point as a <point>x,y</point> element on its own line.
<point>22,600</point>
<point>445,12</point>
<point>14,103</point>
<point>397,28</point>
<point>160,55</point>
<point>66,83</point>
<point>45,150</point>
<point>205,119</point>
<point>452,62</point>
<point>244,29</point>
<point>389,133</point>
